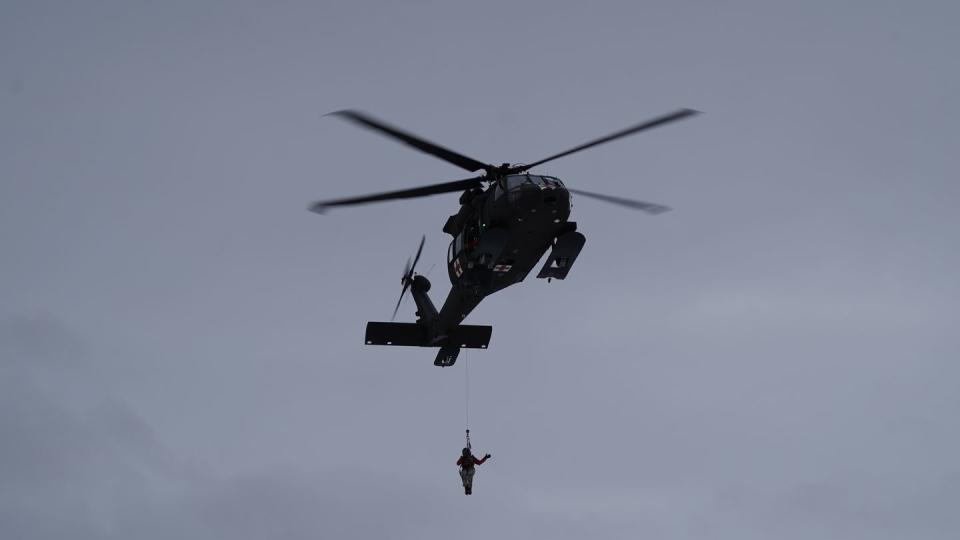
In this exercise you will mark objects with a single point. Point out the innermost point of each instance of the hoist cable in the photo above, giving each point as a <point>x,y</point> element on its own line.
<point>466,384</point>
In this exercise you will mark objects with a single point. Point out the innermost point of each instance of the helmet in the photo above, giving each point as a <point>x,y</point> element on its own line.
<point>466,451</point>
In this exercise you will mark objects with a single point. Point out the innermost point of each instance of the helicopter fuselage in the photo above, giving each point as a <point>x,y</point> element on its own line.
<point>507,220</point>
<point>498,236</point>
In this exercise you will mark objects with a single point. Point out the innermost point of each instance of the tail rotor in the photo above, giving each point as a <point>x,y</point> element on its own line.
<point>408,275</point>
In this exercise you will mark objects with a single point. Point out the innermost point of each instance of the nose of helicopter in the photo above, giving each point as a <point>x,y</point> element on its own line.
<point>539,198</point>
<point>557,197</point>
<point>551,202</point>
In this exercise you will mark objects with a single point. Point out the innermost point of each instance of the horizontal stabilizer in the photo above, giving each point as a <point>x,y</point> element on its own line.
<point>469,336</point>
<point>393,333</point>
<point>415,335</point>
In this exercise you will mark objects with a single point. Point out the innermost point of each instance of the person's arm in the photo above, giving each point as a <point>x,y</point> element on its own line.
<point>460,461</point>
<point>480,461</point>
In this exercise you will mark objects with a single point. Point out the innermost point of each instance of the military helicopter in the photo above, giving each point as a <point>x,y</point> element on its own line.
<point>508,218</point>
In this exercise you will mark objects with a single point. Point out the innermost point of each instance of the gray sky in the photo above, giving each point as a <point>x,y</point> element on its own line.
<point>181,341</point>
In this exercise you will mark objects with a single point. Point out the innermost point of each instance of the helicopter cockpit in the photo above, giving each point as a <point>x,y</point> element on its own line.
<point>516,182</point>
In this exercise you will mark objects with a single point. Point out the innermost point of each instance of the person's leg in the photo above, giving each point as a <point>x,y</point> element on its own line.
<point>469,482</point>
<point>466,482</point>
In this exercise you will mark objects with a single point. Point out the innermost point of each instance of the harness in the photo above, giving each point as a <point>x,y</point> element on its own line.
<point>467,461</point>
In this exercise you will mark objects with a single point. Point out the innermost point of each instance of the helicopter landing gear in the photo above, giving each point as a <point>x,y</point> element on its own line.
<point>447,356</point>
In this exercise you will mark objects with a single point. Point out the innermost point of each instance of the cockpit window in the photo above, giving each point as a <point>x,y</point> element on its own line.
<point>552,181</point>
<point>514,181</point>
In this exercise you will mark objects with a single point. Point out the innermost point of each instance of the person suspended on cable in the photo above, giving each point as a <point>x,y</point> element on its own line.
<point>467,462</point>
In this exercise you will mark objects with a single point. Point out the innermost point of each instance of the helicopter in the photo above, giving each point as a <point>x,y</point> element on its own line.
<point>508,219</point>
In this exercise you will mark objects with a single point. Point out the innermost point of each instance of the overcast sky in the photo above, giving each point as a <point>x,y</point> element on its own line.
<point>181,341</point>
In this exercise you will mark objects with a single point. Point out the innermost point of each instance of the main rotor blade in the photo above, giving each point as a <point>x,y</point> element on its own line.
<point>433,189</point>
<point>650,208</point>
<point>659,121</point>
<point>419,143</point>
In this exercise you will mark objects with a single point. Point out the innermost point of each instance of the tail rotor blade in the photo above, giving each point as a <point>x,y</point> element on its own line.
<point>416,258</point>
<point>407,278</point>
<point>406,284</point>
